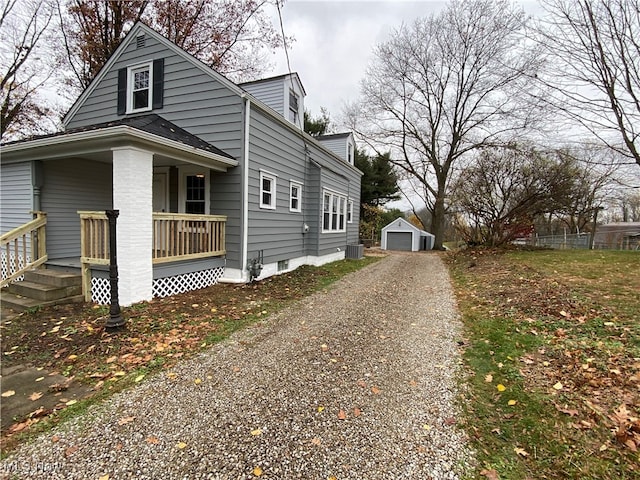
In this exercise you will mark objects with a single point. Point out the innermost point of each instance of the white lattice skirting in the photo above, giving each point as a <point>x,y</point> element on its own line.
<point>162,287</point>
<point>10,267</point>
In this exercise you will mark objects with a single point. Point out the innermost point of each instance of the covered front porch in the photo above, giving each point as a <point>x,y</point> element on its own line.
<point>157,176</point>
<point>187,253</point>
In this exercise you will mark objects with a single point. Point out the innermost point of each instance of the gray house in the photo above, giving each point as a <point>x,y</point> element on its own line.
<point>209,177</point>
<point>403,235</point>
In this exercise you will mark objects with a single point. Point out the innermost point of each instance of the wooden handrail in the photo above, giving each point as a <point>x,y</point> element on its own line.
<point>21,243</point>
<point>176,236</point>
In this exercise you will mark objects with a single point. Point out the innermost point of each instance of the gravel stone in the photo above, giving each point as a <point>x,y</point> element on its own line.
<point>355,382</point>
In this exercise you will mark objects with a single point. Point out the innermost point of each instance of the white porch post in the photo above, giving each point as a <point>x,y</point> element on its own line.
<point>133,197</point>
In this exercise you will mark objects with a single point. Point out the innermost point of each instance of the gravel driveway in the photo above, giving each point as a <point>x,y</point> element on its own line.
<point>357,382</point>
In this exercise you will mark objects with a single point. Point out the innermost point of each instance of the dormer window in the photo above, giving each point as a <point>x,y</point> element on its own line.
<point>139,92</point>
<point>293,107</point>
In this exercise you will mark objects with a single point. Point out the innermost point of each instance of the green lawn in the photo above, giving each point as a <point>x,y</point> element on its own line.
<point>553,358</point>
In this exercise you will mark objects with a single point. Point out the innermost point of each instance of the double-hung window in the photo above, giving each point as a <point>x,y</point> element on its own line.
<point>139,91</point>
<point>295,196</point>
<point>267,190</point>
<point>334,212</point>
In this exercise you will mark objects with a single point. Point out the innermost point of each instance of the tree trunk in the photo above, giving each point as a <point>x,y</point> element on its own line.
<point>438,220</point>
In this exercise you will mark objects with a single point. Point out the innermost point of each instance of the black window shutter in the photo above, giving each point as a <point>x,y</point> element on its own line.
<point>122,91</point>
<point>158,83</point>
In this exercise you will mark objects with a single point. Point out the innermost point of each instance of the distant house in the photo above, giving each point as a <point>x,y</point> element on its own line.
<point>403,235</point>
<point>212,180</point>
<point>618,235</point>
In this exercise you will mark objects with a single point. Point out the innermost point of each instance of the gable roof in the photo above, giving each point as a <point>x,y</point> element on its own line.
<point>277,77</point>
<point>141,28</point>
<point>138,29</point>
<point>332,136</point>
<point>404,224</point>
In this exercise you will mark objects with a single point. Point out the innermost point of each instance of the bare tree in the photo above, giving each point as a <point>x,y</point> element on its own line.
<point>24,66</point>
<point>593,48</point>
<point>499,197</point>
<point>444,86</point>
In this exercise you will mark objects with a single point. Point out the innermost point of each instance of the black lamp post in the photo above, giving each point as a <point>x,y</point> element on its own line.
<point>114,320</point>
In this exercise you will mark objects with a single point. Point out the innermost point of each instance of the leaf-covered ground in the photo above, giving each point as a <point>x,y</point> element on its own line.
<point>554,358</point>
<point>71,339</point>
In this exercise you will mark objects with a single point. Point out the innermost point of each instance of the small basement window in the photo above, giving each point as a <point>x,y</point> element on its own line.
<point>283,265</point>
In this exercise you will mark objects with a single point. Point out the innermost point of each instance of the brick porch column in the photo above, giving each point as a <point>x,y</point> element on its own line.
<point>132,195</point>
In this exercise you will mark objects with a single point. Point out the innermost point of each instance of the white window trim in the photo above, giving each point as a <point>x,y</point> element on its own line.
<point>182,187</point>
<point>339,196</point>
<point>349,210</point>
<point>130,71</point>
<point>273,178</point>
<point>293,183</point>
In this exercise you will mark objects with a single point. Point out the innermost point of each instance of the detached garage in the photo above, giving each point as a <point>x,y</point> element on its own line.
<point>402,235</point>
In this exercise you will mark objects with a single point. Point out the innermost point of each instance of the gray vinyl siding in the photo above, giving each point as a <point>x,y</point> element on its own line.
<point>71,185</point>
<point>16,195</point>
<point>271,93</point>
<point>274,149</point>
<point>278,233</point>
<point>193,99</point>
<point>196,101</point>
<point>337,146</point>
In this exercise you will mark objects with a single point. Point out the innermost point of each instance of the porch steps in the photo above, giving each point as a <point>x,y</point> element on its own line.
<point>41,288</point>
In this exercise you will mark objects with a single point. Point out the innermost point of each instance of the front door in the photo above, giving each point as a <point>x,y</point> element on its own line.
<point>160,192</point>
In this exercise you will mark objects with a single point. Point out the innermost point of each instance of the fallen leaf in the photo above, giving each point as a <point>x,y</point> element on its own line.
<point>8,393</point>
<point>375,390</point>
<point>181,445</point>
<point>490,474</point>
<point>316,441</point>
<point>39,379</point>
<point>256,432</point>
<point>104,477</point>
<point>511,403</point>
<point>35,396</point>
<point>70,451</point>
<point>119,374</point>
<point>197,381</point>
<point>139,378</point>
<point>362,383</point>
<point>71,402</point>
<point>488,378</point>
<point>320,409</point>
<point>324,347</point>
<point>125,420</point>
<point>501,387</point>
<point>72,357</point>
<point>558,386</point>
<point>521,451</point>
<point>413,383</point>
<point>342,415</point>
<point>331,477</point>
<point>357,412</point>
<point>55,439</point>
<point>152,440</point>
<point>257,471</point>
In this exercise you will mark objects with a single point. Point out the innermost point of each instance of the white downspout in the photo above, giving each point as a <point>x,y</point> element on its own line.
<point>245,191</point>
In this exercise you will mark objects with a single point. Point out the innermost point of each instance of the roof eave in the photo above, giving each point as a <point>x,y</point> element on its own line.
<point>118,134</point>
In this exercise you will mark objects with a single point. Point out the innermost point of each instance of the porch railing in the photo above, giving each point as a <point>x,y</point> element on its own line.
<point>23,248</point>
<point>184,237</point>
<point>176,236</point>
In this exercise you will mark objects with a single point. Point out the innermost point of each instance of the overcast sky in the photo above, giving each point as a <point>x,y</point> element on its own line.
<point>334,42</point>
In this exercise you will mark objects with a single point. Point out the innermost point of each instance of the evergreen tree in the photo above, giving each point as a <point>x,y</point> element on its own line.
<point>316,126</point>
<point>379,180</point>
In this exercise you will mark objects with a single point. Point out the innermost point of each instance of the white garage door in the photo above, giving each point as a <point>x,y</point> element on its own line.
<point>399,241</point>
